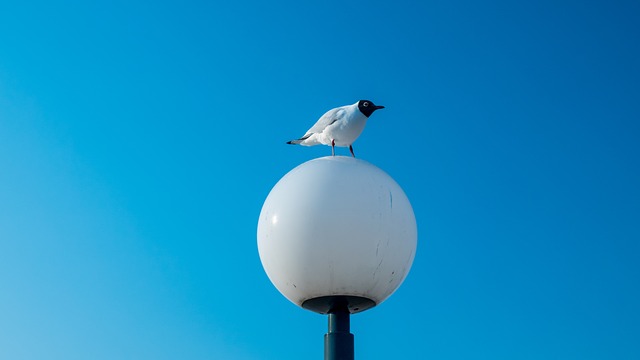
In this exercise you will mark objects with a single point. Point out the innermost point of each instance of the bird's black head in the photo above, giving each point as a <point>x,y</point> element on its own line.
<point>367,107</point>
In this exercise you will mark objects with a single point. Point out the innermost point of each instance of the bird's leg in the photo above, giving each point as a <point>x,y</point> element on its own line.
<point>333,145</point>
<point>351,149</point>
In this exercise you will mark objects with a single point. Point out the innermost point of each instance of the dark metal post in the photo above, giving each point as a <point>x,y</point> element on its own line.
<point>338,342</point>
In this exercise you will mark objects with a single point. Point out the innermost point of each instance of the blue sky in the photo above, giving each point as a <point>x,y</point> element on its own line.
<point>138,141</point>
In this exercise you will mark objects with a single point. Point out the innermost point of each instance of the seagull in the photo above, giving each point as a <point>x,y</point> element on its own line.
<point>339,127</point>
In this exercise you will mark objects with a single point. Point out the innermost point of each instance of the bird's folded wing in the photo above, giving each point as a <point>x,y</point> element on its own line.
<point>327,119</point>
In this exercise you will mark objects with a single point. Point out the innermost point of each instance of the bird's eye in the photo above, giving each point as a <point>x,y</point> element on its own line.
<point>365,104</point>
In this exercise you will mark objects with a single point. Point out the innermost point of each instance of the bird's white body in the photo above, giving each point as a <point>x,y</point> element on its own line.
<point>341,125</point>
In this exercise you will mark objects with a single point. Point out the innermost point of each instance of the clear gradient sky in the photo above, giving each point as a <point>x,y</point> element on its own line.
<point>139,139</point>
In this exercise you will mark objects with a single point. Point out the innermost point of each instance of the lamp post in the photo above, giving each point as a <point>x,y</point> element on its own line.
<point>337,236</point>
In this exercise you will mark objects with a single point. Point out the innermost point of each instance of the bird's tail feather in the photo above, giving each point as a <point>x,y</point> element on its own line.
<point>298,141</point>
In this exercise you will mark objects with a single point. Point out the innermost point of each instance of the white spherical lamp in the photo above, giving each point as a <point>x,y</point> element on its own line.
<point>337,231</point>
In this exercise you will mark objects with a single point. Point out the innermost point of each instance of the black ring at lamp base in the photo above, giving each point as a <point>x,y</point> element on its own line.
<point>324,304</point>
